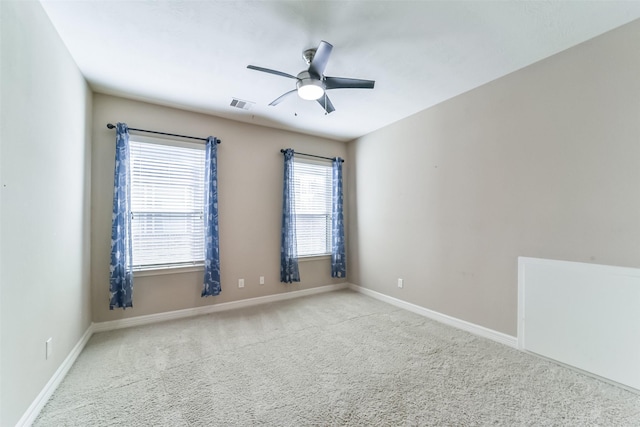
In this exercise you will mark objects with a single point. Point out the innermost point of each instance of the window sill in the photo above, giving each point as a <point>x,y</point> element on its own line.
<point>167,270</point>
<point>314,258</point>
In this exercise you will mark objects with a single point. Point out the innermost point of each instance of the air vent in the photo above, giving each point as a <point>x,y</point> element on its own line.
<point>239,103</point>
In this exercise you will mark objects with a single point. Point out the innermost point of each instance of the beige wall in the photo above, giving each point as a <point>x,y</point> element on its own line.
<point>250,173</point>
<point>544,162</point>
<point>45,174</point>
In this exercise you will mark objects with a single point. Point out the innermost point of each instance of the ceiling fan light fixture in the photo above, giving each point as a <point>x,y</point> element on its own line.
<point>310,89</point>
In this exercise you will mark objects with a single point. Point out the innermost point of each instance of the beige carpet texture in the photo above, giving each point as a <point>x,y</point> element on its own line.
<point>333,359</point>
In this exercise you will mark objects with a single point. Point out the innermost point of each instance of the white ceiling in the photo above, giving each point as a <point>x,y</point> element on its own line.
<point>193,54</point>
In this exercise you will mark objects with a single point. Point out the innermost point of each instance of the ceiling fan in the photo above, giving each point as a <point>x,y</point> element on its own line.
<point>312,83</point>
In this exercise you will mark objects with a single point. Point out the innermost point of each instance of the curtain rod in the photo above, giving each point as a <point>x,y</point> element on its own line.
<point>112,126</point>
<point>313,155</point>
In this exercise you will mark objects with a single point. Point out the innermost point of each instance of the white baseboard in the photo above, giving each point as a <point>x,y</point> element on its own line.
<point>36,406</point>
<point>505,339</point>
<point>207,309</point>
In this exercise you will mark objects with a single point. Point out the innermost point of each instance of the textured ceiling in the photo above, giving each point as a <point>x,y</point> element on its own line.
<point>193,54</point>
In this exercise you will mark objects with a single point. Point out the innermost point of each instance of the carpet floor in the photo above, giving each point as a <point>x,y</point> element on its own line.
<point>334,359</point>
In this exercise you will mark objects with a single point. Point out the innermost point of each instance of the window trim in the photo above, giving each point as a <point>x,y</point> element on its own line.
<point>328,164</point>
<point>157,269</point>
<point>167,141</point>
<point>304,258</point>
<point>173,269</point>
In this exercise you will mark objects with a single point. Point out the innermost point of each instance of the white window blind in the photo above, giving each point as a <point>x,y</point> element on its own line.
<point>312,187</point>
<point>167,204</point>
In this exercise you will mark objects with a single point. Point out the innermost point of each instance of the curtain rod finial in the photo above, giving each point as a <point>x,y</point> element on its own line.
<point>110,126</point>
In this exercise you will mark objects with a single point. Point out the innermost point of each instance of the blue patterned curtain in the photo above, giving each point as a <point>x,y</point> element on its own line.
<point>338,255</point>
<point>121,268</point>
<point>288,250</point>
<point>212,242</point>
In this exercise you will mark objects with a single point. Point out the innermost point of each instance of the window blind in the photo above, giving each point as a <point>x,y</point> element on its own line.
<point>313,190</point>
<point>167,204</point>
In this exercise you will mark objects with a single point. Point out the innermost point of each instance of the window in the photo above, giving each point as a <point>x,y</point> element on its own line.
<point>313,188</point>
<point>167,203</point>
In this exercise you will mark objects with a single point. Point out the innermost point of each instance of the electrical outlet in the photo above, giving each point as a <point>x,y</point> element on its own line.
<point>262,280</point>
<point>241,283</point>
<point>400,283</point>
<point>48,345</point>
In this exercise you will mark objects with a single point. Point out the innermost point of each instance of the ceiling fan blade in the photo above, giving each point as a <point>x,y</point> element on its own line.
<point>325,102</point>
<point>270,71</point>
<point>281,98</point>
<point>346,83</point>
<point>320,59</point>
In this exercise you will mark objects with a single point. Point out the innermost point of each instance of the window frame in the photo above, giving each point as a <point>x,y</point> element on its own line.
<point>328,164</point>
<point>162,269</point>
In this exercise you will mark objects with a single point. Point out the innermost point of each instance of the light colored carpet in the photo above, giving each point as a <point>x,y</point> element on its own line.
<point>339,358</point>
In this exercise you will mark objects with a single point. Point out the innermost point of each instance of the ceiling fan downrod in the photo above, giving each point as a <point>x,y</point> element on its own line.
<point>308,55</point>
